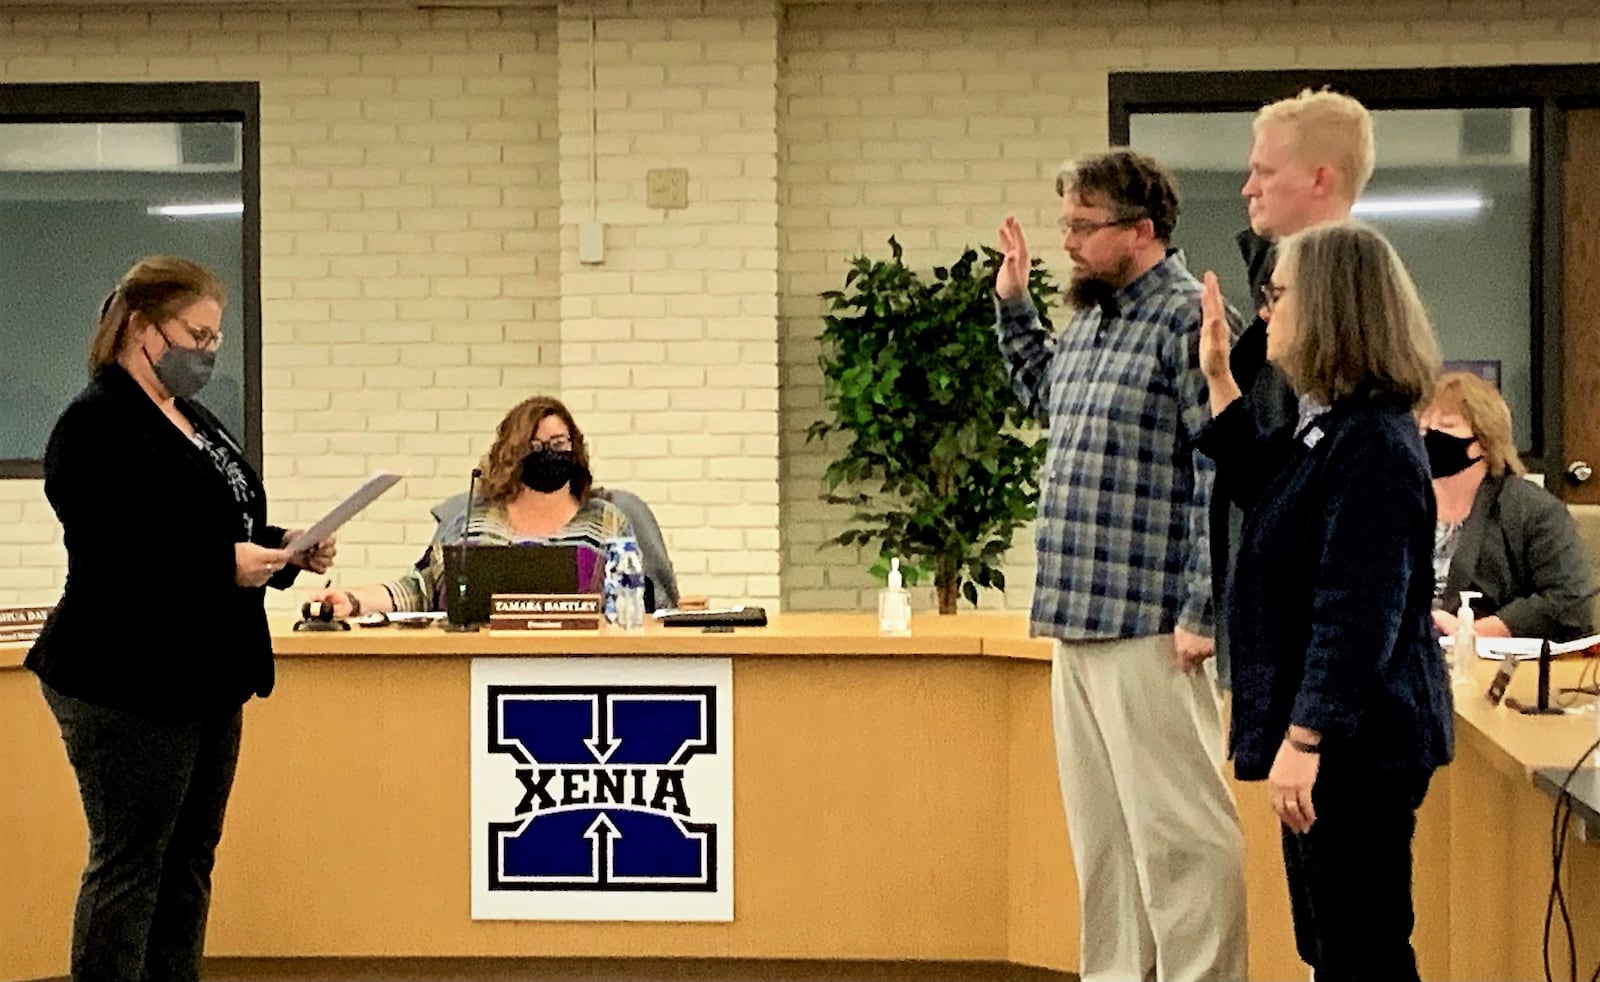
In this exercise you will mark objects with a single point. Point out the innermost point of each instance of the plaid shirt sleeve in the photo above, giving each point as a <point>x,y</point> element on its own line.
<point>1028,350</point>
<point>1181,359</point>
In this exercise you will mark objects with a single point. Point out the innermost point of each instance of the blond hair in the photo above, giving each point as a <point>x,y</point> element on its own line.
<point>1481,407</point>
<point>1360,328</point>
<point>1329,128</point>
<point>156,288</point>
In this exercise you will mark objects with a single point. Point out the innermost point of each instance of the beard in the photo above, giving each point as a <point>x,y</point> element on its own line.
<point>1091,292</point>
<point>1098,287</point>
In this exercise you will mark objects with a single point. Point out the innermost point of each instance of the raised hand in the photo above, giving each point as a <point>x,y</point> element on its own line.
<point>1012,280</point>
<point>1215,340</point>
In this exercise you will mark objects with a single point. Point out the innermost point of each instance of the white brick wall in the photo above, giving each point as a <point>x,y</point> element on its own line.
<point>424,172</point>
<point>669,349</point>
<point>410,244</point>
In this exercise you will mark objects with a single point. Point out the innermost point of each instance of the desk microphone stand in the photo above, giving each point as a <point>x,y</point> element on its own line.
<point>1542,707</point>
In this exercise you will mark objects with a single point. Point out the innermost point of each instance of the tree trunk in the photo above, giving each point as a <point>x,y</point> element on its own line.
<point>945,582</point>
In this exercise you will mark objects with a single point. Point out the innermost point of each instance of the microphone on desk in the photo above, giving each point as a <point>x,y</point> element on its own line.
<point>457,602</point>
<point>1542,707</point>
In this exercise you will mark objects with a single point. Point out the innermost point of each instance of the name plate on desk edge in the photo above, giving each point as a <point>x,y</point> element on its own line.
<point>22,623</point>
<point>544,612</point>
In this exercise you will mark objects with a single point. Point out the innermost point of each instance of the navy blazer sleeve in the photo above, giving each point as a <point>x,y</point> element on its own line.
<point>1375,496</point>
<point>1244,454</point>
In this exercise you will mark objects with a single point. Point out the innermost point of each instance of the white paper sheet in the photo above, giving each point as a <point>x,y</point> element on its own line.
<point>345,510</point>
<point>1523,649</point>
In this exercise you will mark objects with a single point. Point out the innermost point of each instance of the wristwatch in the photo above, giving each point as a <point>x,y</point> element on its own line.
<point>1302,746</point>
<point>355,603</point>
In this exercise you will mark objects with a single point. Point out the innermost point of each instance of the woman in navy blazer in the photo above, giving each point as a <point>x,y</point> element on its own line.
<point>145,671</point>
<point>1341,700</point>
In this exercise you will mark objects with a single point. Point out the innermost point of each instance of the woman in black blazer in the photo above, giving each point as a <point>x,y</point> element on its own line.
<point>1508,539</point>
<point>147,674</point>
<point>1341,700</point>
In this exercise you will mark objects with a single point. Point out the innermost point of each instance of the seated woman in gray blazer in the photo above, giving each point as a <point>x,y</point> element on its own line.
<point>1497,534</point>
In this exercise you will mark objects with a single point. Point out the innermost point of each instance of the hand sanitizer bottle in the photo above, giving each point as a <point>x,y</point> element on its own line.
<point>894,605</point>
<point>1464,651</point>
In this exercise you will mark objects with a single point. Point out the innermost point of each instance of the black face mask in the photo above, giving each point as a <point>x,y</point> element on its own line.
<point>549,470</point>
<point>1447,453</point>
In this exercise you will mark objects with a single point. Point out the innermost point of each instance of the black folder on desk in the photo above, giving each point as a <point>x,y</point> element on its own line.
<point>721,617</point>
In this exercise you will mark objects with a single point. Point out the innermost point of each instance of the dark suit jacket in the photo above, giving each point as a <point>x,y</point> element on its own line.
<point>1330,615</point>
<point>151,620</point>
<point>1520,549</point>
<point>1274,405</point>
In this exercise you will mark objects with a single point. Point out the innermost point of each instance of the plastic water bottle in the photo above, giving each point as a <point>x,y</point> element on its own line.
<point>609,588</point>
<point>630,586</point>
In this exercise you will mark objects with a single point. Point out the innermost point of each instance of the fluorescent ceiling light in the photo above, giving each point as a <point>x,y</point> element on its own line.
<point>189,211</point>
<point>1434,205</point>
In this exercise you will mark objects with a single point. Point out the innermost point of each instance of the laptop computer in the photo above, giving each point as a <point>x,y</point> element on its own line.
<point>531,568</point>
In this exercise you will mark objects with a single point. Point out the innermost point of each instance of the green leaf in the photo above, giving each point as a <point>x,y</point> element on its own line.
<point>934,459</point>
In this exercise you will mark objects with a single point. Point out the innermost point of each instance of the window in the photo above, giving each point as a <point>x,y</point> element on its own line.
<point>1453,191</point>
<point>1470,186</point>
<point>91,178</point>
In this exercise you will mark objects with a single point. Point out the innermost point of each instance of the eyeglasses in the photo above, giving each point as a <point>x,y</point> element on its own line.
<point>1082,228</point>
<point>203,337</point>
<point>1271,293</point>
<point>560,444</point>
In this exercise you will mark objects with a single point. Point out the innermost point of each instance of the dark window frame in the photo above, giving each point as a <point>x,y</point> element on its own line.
<point>169,102</point>
<point>1547,90</point>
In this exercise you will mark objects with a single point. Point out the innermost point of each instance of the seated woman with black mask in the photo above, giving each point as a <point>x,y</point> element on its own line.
<point>1499,535</point>
<point>535,487</point>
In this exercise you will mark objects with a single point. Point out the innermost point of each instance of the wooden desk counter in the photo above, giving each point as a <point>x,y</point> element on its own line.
<point>895,798</point>
<point>805,635</point>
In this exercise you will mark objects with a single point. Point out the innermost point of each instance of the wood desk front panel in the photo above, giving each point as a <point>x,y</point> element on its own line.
<point>883,809</point>
<point>895,804</point>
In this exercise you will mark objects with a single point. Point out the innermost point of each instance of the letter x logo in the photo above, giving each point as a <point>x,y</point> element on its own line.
<point>604,805</point>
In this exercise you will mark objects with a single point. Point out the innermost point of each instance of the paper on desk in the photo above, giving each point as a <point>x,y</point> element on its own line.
<point>1524,649</point>
<point>361,497</point>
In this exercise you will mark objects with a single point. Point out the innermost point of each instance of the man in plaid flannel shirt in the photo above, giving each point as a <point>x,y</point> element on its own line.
<point>1123,580</point>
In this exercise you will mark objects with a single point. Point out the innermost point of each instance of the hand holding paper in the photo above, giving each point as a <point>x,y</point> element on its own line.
<point>317,559</point>
<point>322,531</point>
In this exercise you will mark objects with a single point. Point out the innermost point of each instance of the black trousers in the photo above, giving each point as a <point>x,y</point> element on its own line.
<point>154,792</point>
<point>1350,876</point>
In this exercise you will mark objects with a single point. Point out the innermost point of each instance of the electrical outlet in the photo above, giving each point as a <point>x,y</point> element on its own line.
<point>667,188</point>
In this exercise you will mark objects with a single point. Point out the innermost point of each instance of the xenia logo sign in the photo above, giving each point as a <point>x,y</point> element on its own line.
<point>601,798</point>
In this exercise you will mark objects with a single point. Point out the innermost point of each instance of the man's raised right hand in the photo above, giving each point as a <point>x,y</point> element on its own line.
<point>1012,280</point>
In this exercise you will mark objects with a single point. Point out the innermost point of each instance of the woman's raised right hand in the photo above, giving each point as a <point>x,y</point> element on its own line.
<point>1215,340</point>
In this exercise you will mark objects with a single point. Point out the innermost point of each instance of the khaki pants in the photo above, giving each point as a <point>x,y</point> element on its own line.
<point>1154,830</point>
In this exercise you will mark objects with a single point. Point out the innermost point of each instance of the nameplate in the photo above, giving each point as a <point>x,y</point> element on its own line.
<point>544,612</point>
<point>21,623</point>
